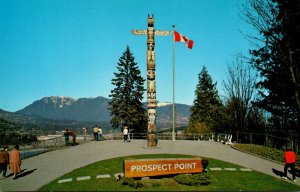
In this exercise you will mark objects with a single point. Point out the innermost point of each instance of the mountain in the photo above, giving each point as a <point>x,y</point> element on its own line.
<point>68,108</point>
<point>11,122</point>
<point>164,113</point>
<point>8,126</point>
<point>95,110</point>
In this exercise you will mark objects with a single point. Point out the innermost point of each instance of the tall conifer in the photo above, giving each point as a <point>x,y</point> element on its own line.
<point>126,105</point>
<point>204,112</point>
<point>277,58</point>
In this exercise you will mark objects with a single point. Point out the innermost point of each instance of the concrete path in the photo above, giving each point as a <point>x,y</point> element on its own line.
<point>44,168</point>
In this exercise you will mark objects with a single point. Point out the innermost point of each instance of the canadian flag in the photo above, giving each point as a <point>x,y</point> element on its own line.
<point>181,38</point>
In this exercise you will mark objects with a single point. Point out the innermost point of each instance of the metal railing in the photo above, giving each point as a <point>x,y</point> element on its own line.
<point>267,140</point>
<point>49,143</point>
<point>58,141</point>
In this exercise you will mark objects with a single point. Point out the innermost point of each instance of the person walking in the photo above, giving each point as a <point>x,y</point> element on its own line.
<point>125,133</point>
<point>290,162</point>
<point>15,161</point>
<point>95,132</point>
<point>4,161</point>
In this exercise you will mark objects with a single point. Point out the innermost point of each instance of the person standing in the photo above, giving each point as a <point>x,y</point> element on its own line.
<point>290,162</point>
<point>84,131</point>
<point>15,161</point>
<point>73,135</point>
<point>95,132</point>
<point>4,161</point>
<point>125,133</point>
<point>100,134</point>
<point>66,136</point>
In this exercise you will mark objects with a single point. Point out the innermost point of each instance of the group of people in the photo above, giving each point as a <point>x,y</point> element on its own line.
<point>97,132</point>
<point>13,159</point>
<point>69,133</point>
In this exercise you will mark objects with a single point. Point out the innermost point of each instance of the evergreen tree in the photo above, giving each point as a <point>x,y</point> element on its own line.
<point>125,106</point>
<point>277,59</point>
<point>205,110</point>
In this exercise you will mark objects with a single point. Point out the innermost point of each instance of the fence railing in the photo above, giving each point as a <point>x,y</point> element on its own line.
<point>267,140</point>
<point>271,141</point>
<point>57,141</point>
<point>48,143</point>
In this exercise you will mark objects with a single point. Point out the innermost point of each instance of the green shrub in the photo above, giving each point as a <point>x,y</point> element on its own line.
<point>132,183</point>
<point>193,180</point>
<point>156,184</point>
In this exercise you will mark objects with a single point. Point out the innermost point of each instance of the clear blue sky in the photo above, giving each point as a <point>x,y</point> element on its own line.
<point>71,47</point>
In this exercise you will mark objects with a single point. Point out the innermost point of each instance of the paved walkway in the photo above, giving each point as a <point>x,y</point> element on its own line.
<point>44,168</point>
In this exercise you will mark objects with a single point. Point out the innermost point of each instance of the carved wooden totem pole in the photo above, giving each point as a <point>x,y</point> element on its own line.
<point>151,87</point>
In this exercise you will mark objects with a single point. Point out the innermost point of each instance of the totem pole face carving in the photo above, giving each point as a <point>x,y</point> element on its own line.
<point>150,35</point>
<point>151,128</point>
<point>151,65</point>
<point>151,136</point>
<point>151,114</point>
<point>151,74</point>
<point>150,46</point>
<point>151,102</point>
<point>150,55</point>
<point>150,60</point>
<point>151,86</point>
<point>151,96</point>
<point>150,21</point>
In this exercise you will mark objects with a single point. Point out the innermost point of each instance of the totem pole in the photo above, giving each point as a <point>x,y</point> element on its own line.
<point>151,87</point>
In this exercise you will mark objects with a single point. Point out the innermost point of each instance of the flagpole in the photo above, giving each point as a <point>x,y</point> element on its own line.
<point>173,77</point>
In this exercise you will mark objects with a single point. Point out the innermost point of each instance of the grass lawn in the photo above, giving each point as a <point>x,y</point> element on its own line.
<point>220,180</point>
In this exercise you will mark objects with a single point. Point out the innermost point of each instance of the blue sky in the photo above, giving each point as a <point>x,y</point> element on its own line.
<point>71,47</point>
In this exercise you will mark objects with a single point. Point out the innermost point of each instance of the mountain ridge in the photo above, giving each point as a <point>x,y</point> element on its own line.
<point>95,109</point>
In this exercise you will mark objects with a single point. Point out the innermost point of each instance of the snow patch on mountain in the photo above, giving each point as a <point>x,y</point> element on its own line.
<point>162,104</point>
<point>59,101</point>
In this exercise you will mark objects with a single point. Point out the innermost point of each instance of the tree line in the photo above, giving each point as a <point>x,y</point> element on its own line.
<point>261,91</point>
